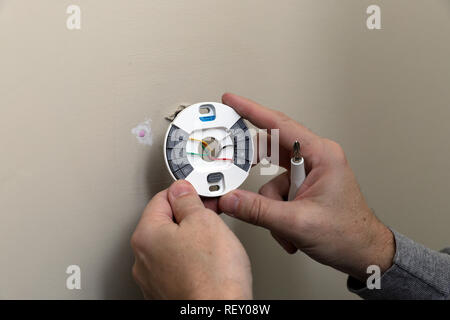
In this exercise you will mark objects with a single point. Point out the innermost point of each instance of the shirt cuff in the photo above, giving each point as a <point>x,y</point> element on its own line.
<point>416,273</point>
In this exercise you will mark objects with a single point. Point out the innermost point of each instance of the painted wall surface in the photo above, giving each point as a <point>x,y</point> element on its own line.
<point>74,179</point>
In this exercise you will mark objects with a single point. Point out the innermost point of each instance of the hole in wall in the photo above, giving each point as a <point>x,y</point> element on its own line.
<point>211,151</point>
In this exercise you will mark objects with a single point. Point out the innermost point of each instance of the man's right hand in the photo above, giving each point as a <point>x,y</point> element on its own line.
<point>329,219</point>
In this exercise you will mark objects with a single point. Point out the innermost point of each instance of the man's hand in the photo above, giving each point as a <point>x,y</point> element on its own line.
<point>195,257</point>
<point>329,220</point>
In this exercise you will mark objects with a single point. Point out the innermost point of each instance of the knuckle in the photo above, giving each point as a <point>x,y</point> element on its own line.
<point>337,151</point>
<point>280,115</point>
<point>187,204</point>
<point>308,222</point>
<point>280,119</point>
<point>137,241</point>
<point>134,273</point>
<point>137,276</point>
<point>256,211</point>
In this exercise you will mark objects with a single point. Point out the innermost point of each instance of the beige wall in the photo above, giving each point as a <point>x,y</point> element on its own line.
<point>73,180</point>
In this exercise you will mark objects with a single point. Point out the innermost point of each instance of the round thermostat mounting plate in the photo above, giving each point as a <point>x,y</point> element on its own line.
<point>209,145</point>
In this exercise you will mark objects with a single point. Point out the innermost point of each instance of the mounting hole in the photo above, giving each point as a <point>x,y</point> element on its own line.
<point>211,150</point>
<point>204,110</point>
<point>207,112</point>
<point>214,188</point>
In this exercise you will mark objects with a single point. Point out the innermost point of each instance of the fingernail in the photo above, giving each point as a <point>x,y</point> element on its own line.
<point>180,188</point>
<point>230,204</point>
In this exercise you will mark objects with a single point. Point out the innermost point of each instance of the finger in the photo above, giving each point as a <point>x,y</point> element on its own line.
<point>158,210</point>
<point>258,210</point>
<point>266,118</point>
<point>210,203</point>
<point>277,188</point>
<point>288,246</point>
<point>184,200</point>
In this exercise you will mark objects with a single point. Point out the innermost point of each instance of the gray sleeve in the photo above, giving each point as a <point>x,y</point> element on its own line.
<point>417,273</point>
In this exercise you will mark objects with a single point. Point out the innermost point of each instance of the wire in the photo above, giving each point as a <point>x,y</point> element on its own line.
<point>211,158</point>
<point>204,143</point>
<point>195,154</point>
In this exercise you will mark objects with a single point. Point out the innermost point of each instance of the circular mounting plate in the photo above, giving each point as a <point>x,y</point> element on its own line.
<point>216,168</point>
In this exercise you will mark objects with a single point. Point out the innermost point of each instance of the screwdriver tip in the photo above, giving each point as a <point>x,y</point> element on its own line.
<point>296,153</point>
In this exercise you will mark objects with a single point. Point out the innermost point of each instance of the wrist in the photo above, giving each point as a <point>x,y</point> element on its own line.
<point>380,251</point>
<point>385,248</point>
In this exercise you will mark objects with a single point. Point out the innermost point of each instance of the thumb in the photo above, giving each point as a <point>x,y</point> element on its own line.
<point>184,200</point>
<point>258,210</point>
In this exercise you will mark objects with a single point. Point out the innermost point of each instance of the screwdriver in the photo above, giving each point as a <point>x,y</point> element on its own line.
<point>297,171</point>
